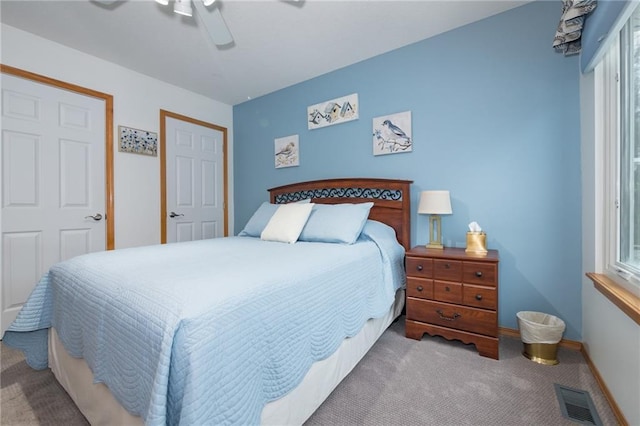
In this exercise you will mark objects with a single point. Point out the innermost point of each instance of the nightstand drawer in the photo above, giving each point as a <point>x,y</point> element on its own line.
<point>446,291</point>
<point>480,273</point>
<point>453,316</point>
<point>419,287</point>
<point>419,267</point>
<point>449,270</point>
<point>479,296</point>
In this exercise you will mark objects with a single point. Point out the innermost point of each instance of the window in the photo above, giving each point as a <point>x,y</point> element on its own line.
<point>621,115</point>
<point>629,192</point>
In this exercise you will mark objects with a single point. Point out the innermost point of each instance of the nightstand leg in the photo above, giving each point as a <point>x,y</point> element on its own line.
<point>413,331</point>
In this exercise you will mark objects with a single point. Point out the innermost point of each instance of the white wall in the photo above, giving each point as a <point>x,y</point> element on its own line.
<point>137,100</point>
<point>611,338</point>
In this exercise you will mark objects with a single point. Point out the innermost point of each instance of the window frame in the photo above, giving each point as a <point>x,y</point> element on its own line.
<point>609,116</point>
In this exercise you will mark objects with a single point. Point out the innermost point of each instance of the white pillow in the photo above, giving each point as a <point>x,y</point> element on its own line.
<point>287,222</point>
<point>261,217</point>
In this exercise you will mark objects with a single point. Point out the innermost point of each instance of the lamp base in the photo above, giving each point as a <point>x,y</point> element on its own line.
<point>434,246</point>
<point>435,236</point>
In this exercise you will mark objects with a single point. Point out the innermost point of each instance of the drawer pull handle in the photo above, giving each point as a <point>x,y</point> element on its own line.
<point>419,288</point>
<point>419,267</point>
<point>478,297</point>
<point>479,274</point>
<point>447,266</point>
<point>447,288</point>
<point>446,318</point>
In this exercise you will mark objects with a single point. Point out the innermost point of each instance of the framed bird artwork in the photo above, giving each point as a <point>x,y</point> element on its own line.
<point>392,134</point>
<point>287,152</point>
<point>333,112</point>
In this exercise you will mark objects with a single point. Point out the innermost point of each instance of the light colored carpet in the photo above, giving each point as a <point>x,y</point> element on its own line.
<point>438,382</point>
<point>30,397</point>
<point>399,382</point>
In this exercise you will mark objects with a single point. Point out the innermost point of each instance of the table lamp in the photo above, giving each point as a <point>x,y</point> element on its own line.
<point>435,203</point>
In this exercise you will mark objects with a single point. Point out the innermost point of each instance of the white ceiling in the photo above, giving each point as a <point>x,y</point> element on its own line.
<point>276,43</point>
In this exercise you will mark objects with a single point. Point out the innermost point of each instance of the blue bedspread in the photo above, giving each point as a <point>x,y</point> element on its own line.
<point>208,332</point>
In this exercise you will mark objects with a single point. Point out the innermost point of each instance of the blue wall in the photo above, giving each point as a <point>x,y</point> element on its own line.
<point>495,114</point>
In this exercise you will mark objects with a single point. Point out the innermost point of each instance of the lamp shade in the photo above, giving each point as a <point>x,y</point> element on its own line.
<point>434,202</point>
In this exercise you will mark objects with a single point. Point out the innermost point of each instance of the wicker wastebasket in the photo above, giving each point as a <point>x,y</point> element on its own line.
<point>540,334</point>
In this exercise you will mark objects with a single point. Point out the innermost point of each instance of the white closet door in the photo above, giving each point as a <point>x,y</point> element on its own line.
<point>53,183</point>
<point>195,181</point>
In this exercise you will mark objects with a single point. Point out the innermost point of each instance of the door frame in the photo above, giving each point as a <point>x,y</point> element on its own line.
<point>164,114</point>
<point>108,137</point>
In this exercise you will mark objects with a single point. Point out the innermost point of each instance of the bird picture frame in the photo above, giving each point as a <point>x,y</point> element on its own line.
<point>392,133</point>
<point>287,151</point>
<point>335,111</point>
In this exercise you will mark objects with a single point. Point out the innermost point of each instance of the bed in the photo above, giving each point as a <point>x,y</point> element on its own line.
<point>236,330</point>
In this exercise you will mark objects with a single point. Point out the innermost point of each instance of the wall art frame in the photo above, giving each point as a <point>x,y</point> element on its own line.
<point>335,111</point>
<point>287,151</point>
<point>392,134</point>
<point>137,141</point>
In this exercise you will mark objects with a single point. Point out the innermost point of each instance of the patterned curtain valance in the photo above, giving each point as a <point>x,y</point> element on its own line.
<point>569,33</point>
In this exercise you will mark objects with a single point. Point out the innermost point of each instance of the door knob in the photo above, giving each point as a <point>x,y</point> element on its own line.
<point>174,214</point>
<point>95,217</point>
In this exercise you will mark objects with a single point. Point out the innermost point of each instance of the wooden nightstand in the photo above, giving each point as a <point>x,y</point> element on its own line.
<point>453,294</point>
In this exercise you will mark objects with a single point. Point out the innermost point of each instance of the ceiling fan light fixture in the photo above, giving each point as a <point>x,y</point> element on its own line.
<point>183,7</point>
<point>208,2</point>
<point>163,2</point>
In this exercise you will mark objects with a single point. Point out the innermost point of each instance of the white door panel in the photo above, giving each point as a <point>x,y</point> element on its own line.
<point>194,164</point>
<point>53,182</point>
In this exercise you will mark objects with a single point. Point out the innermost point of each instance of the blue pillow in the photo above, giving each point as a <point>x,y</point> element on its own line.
<point>260,218</point>
<point>336,223</point>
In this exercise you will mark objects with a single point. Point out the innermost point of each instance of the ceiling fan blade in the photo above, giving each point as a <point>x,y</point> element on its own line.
<point>213,23</point>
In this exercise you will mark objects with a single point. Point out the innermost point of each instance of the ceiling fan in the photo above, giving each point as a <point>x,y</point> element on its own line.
<point>210,17</point>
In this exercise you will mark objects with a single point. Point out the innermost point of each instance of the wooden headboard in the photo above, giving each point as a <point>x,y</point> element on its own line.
<point>391,198</point>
